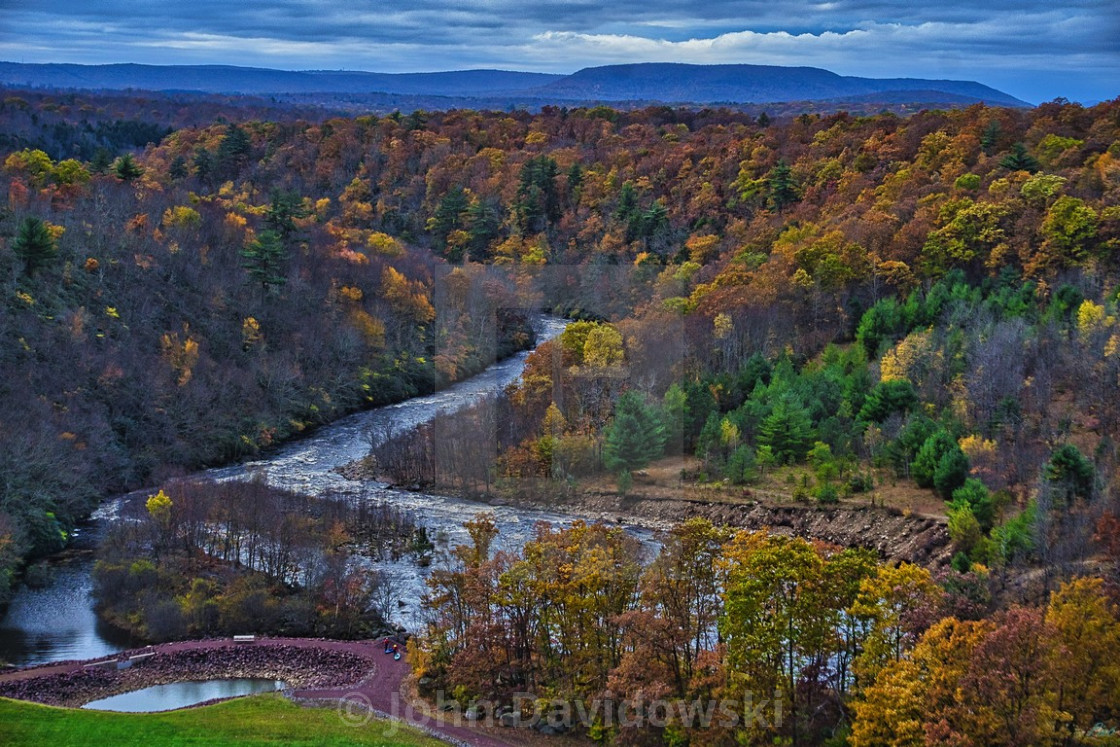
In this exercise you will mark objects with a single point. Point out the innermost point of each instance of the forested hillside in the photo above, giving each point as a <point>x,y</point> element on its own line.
<point>235,248</point>
<point>148,328</point>
<point>826,300</point>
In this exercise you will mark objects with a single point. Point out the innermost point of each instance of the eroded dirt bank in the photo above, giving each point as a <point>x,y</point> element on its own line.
<point>895,535</point>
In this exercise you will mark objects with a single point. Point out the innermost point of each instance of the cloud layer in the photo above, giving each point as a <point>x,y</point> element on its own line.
<point>1036,50</point>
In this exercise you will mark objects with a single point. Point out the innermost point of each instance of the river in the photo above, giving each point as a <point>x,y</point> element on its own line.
<point>57,622</point>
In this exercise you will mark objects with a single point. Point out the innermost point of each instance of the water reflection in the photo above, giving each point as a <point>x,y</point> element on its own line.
<point>182,694</point>
<point>58,621</point>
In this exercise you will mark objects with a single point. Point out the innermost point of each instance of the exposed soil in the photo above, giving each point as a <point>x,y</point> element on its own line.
<point>893,534</point>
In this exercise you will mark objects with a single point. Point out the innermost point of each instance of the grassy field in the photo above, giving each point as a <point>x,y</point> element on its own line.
<point>262,719</point>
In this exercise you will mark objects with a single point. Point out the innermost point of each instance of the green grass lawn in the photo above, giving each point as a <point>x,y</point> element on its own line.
<point>261,719</point>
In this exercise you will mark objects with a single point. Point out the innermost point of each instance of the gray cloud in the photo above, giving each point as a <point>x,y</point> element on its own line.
<point>1035,49</point>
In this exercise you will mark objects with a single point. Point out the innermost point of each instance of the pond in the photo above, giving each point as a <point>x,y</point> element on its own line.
<point>182,694</point>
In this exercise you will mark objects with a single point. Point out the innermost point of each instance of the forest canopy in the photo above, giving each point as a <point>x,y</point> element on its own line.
<point>929,300</point>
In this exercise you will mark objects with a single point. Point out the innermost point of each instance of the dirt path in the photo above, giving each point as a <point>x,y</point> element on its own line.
<point>382,690</point>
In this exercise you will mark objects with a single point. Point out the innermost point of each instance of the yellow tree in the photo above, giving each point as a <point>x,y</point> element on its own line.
<point>159,511</point>
<point>916,701</point>
<point>891,604</point>
<point>892,710</point>
<point>773,600</point>
<point>1086,661</point>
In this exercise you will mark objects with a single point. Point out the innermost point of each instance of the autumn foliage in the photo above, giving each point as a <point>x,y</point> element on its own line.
<point>934,296</point>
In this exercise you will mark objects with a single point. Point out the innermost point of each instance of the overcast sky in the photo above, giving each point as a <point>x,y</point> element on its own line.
<point>1034,49</point>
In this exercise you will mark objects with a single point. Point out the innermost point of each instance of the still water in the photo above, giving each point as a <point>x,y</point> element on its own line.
<point>181,695</point>
<point>57,621</point>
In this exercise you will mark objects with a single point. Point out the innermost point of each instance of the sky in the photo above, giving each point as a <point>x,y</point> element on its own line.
<point>1036,50</point>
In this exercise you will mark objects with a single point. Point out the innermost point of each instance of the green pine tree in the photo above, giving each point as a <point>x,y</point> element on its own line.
<point>538,201</point>
<point>783,187</point>
<point>485,225</point>
<point>233,152</point>
<point>991,136</point>
<point>178,168</point>
<point>101,161</point>
<point>265,259</point>
<point>787,430</point>
<point>1020,160</point>
<point>450,216</point>
<point>635,438</point>
<point>127,169</point>
<point>34,245</point>
<point>1069,474</point>
<point>627,206</point>
<point>283,210</point>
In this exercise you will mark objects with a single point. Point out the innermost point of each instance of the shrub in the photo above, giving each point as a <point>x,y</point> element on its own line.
<point>827,494</point>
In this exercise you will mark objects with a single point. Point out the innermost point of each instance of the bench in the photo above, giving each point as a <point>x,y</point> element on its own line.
<point>103,663</point>
<point>244,639</point>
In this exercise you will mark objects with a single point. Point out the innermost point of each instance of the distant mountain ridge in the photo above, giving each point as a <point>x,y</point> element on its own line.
<point>748,83</point>
<point>255,80</point>
<point>664,82</point>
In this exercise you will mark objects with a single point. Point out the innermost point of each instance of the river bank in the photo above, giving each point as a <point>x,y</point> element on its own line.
<point>299,663</point>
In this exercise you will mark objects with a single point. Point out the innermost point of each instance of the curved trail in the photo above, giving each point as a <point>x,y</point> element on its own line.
<point>382,690</point>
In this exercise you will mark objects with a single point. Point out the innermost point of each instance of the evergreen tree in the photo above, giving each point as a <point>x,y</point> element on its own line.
<point>449,216</point>
<point>627,206</point>
<point>1069,473</point>
<point>204,167</point>
<point>951,472</point>
<point>575,183</point>
<point>538,202</point>
<point>991,136</point>
<point>783,187</point>
<point>178,168</point>
<point>976,497</point>
<point>485,223</point>
<point>101,161</point>
<point>127,169</point>
<point>265,258</point>
<point>233,152</point>
<point>1020,160</point>
<point>787,430</point>
<point>648,224</point>
<point>416,120</point>
<point>34,245</point>
<point>887,397</point>
<point>636,436</point>
<point>940,464</point>
<point>283,210</point>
